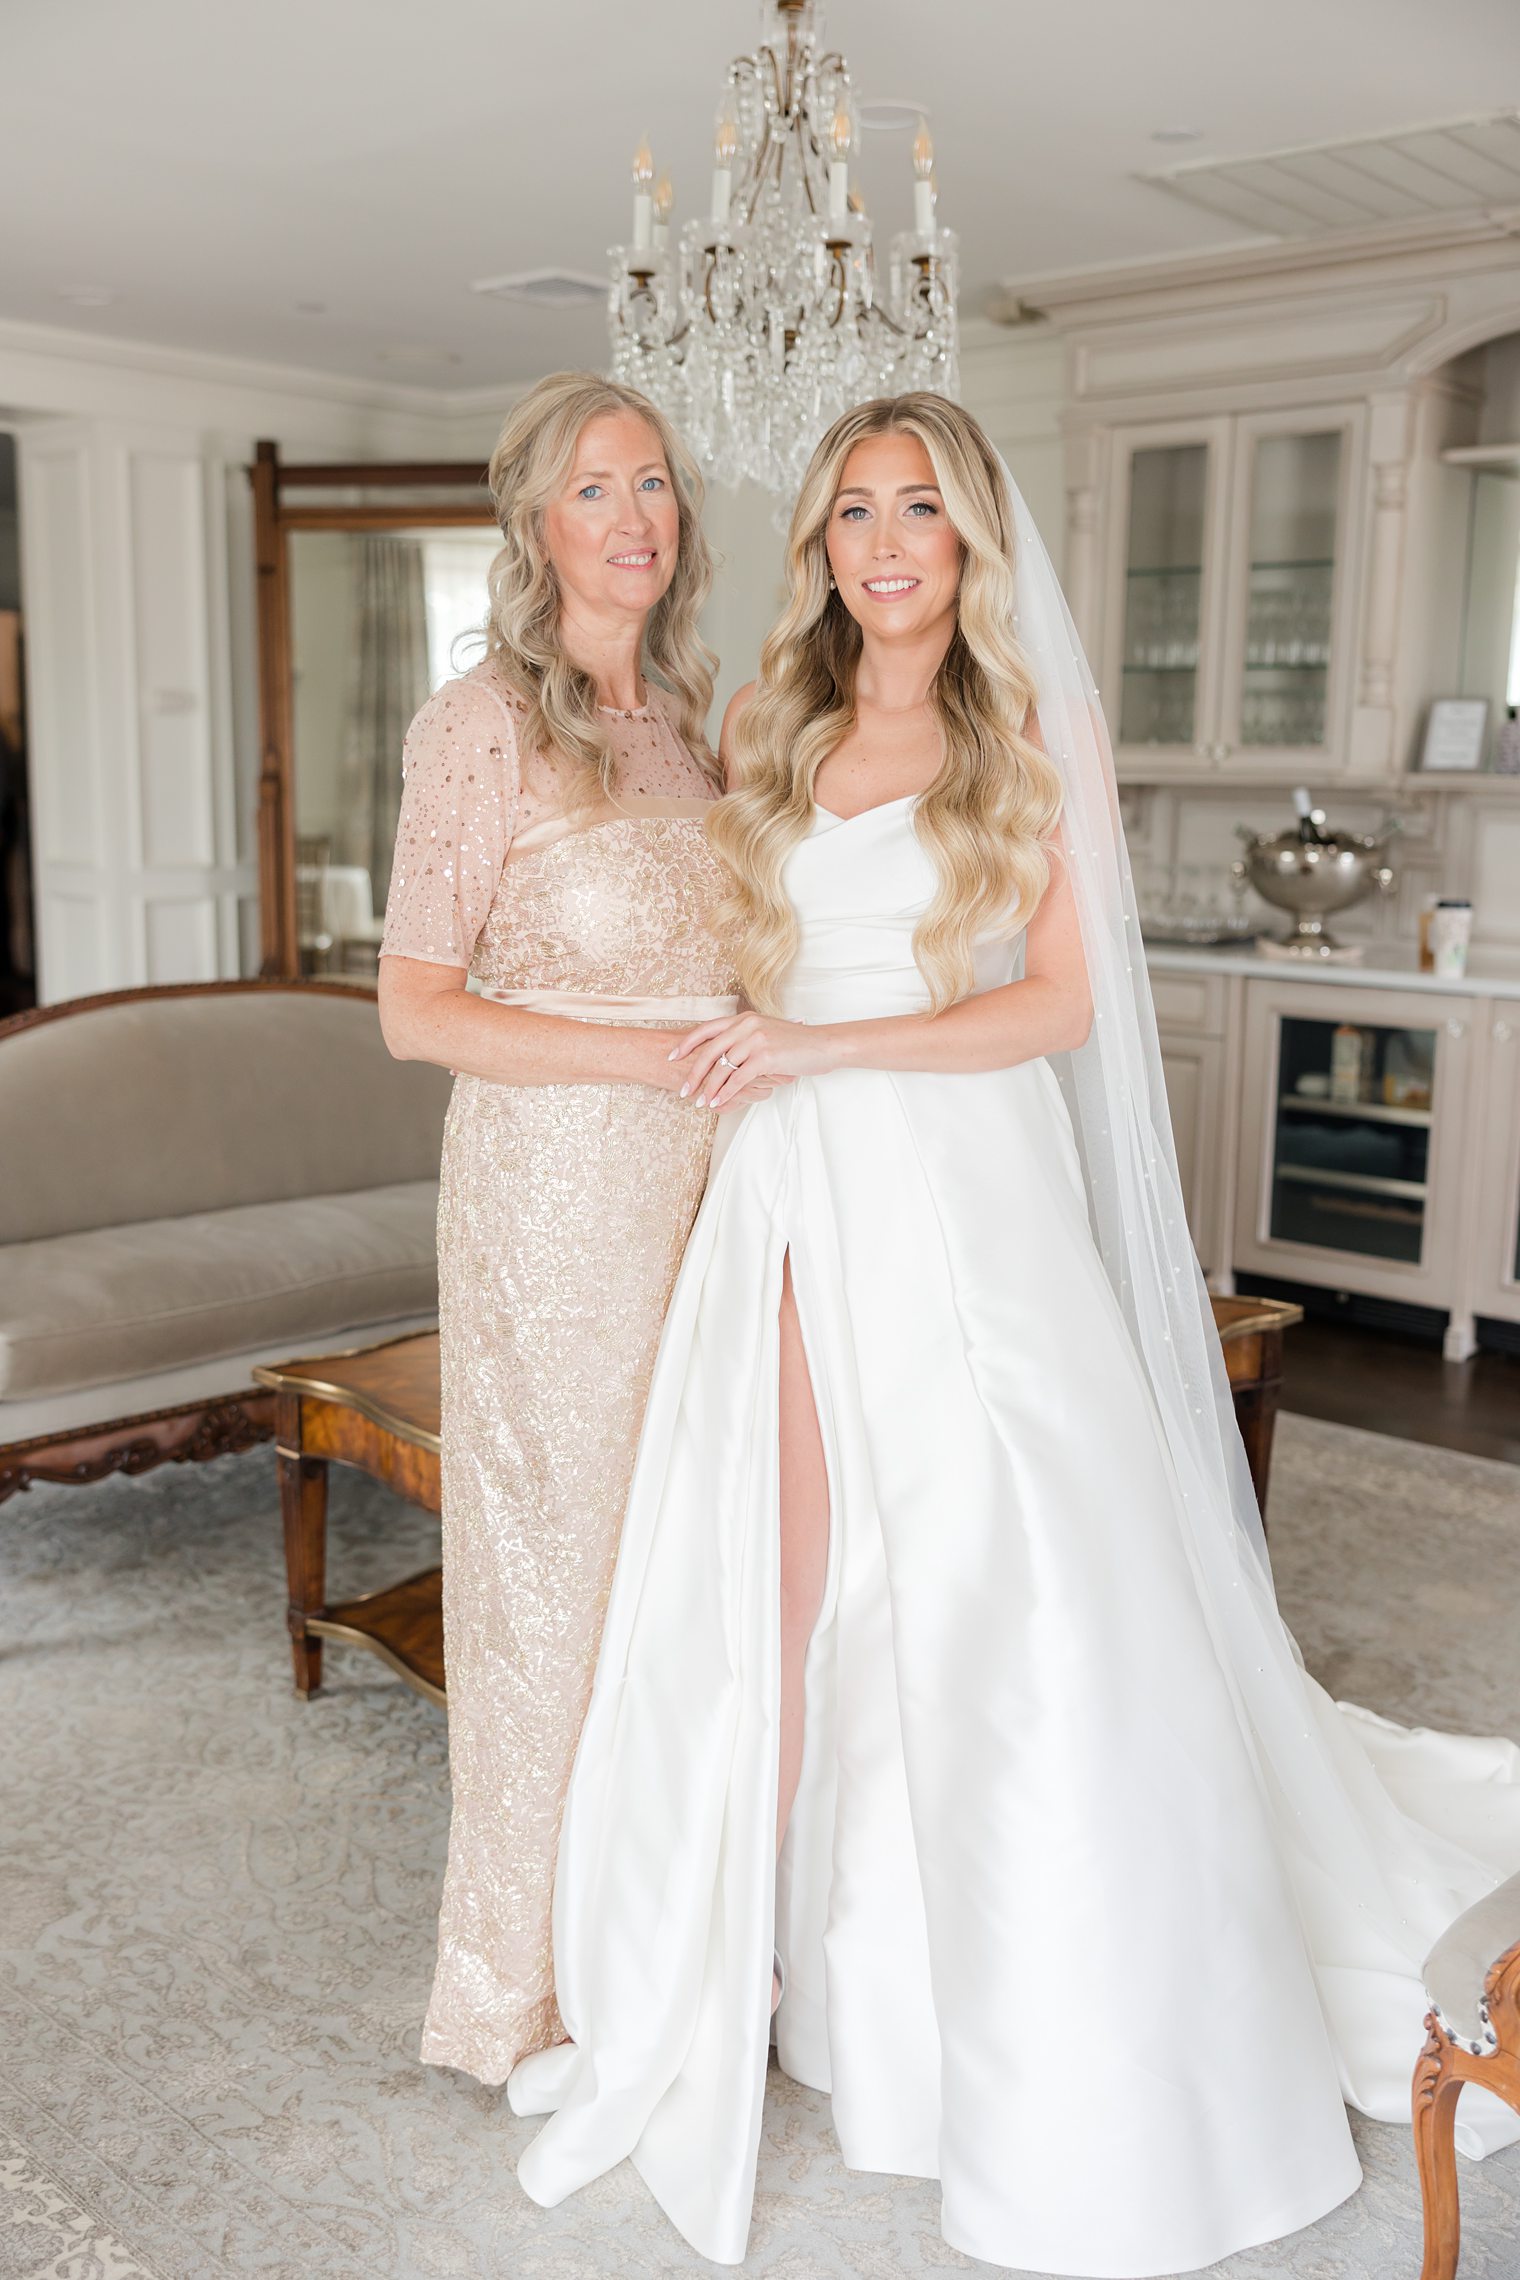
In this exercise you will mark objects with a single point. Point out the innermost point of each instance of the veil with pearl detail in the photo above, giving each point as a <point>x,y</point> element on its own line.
<point>1388,1833</point>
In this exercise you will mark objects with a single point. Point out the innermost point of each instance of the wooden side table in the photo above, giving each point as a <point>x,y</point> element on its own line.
<point>1251,1333</point>
<point>377,1410</point>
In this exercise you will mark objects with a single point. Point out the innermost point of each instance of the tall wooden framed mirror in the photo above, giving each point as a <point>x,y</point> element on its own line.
<point>371,591</point>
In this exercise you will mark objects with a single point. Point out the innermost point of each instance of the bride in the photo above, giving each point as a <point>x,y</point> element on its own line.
<point>941,1556</point>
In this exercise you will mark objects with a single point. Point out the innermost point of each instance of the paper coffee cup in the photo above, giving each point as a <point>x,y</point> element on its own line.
<point>1450,929</point>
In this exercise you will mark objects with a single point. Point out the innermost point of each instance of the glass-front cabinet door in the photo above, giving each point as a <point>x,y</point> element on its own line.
<point>1350,1162</point>
<point>1164,600</point>
<point>1353,1126</point>
<point>1227,643</point>
<point>1286,667</point>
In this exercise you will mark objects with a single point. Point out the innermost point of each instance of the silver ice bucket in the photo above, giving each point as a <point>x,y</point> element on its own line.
<point>1313,878</point>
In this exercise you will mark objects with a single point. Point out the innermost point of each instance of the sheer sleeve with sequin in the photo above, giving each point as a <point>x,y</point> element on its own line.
<point>458,809</point>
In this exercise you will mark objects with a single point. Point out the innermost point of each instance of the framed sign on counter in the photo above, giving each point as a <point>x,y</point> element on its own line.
<point>1455,734</point>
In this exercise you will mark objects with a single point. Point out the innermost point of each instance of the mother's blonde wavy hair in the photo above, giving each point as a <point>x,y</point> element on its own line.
<point>988,814</point>
<point>531,464</point>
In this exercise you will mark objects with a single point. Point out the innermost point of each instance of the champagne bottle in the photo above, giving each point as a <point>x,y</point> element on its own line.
<point>1311,820</point>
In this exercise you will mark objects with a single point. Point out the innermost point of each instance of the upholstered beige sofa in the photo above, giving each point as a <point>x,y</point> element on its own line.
<point>193,1180</point>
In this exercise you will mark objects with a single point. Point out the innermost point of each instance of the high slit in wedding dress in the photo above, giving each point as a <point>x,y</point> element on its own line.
<point>1054,1930</point>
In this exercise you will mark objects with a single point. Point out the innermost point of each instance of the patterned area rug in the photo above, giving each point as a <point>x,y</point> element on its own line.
<point>217,1904</point>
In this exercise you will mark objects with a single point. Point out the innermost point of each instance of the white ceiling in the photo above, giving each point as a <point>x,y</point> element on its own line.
<point>211,165</point>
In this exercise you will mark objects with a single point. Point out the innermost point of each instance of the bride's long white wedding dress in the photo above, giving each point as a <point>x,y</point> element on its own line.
<point>1057,1930</point>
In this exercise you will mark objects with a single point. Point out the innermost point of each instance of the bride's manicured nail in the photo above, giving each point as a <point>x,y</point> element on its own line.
<point>685,1089</point>
<point>674,1050</point>
<point>701,1100</point>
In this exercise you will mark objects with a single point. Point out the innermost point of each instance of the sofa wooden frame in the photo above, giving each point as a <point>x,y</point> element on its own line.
<point>192,1432</point>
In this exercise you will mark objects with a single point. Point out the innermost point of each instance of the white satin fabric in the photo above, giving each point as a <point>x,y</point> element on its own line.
<point>1052,1933</point>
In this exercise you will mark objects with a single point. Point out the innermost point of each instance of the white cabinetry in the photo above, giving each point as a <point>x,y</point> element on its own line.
<point>1366,1191</point>
<point>1197,1016</point>
<point>1229,594</point>
<point>1309,392</point>
<point>1495,1282</point>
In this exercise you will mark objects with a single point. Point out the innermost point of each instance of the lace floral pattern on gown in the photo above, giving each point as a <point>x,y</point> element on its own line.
<point>563,1213</point>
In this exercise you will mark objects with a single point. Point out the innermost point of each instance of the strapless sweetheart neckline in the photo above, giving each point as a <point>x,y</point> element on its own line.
<point>880,807</point>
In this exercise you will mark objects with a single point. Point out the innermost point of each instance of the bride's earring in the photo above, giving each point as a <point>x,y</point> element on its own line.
<point>833,589</point>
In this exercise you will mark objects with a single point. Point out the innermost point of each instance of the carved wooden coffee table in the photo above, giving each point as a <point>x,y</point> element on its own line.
<point>378,1411</point>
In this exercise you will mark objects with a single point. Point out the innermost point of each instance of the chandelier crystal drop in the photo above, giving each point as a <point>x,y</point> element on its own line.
<point>754,327</point>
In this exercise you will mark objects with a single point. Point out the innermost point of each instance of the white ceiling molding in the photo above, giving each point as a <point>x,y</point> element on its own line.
<point>200,365</point>
<point>1283,327</point>
<point>1328,337</point>
<point>49,372</point>
<point>1051,292</point>
<point>1452,166</point>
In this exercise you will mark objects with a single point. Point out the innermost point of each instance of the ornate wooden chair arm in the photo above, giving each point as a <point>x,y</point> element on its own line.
<point>1472,2035</point>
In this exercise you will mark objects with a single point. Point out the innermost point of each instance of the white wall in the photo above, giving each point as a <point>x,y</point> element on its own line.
<point>138,578</point>
<point>1500,420</point>
<point>1014,379</point>
<point>1011,379</point>
<point>749,587</point>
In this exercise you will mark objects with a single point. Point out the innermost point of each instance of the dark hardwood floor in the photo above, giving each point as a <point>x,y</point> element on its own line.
<point>1389,1383</point>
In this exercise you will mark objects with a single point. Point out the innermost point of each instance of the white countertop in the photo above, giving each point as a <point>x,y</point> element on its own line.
<point>1382,966</point>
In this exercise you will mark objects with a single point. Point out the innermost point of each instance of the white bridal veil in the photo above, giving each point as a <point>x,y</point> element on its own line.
<point>1387,1834</point>
<point>1115,1086</point>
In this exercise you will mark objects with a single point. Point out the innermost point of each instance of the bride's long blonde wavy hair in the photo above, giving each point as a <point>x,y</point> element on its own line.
<point>531,464</point>
<point>987,815</point>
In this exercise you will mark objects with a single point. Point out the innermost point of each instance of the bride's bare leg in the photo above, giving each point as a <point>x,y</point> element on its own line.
<point>804,1540</point>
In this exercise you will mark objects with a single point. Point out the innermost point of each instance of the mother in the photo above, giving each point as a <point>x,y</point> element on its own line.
<point>551,848</point>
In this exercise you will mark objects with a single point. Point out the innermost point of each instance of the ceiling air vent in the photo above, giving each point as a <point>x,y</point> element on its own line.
<point>1457,166</point>
<point>891,114</point>
<point>546,288</point>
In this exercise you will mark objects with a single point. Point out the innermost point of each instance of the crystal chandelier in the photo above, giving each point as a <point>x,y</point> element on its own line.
<point>759,324</point>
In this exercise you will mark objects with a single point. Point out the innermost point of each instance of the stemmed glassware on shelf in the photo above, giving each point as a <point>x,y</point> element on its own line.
<point>1288,651</point>
<point>1160,655</point>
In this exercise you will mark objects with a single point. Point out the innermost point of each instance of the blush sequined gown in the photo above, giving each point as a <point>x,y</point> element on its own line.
<point>563,1212</point>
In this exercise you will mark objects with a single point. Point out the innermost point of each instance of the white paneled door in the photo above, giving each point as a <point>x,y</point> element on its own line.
<point>140,856</point>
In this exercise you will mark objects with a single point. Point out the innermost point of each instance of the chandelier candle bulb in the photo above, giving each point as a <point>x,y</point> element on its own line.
<point>841,136</point>
<point>923,185</point>
<point>725,151</point>
<point>664,200</point>
<point>643,204</point>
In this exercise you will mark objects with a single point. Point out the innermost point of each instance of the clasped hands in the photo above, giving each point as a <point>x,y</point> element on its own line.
<point>744,1056</point>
